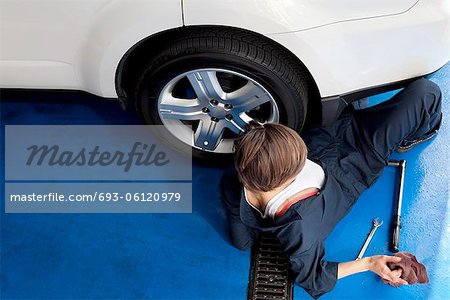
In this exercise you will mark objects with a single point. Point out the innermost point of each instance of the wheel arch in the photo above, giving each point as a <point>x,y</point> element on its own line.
<point>131,65</point>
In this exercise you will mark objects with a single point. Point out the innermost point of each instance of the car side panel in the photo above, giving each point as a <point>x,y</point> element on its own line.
<point>75,44</point>
<point>78,44</point>
<point>39,41</point>
<point>276,16</point>
<point>350,56</point>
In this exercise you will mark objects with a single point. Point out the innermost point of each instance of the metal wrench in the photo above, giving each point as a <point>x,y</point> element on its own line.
<point>375,225</point>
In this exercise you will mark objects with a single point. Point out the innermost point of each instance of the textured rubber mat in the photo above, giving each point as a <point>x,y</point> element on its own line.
<point>269,276</point>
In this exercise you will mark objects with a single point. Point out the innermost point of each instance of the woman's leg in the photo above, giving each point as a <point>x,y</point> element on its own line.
<point>410,115</point>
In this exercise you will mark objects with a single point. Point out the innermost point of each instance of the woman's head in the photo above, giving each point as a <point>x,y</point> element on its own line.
<point>268,155</point>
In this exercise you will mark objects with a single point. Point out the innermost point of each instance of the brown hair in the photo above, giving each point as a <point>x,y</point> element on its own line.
<point>268,155</point>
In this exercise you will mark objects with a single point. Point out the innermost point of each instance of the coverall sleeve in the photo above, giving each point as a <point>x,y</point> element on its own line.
<point>242,236</point>
<point>311,272</point>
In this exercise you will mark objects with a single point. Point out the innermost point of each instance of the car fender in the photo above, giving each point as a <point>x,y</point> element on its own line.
<point>107,42</point>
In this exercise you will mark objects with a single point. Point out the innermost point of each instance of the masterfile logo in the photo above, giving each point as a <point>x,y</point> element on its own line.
<point>80,152</point>
<point>141,154</point>
<point>95,169</point>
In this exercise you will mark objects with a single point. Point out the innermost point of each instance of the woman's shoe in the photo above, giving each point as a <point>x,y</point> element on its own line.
<point>407,145</point>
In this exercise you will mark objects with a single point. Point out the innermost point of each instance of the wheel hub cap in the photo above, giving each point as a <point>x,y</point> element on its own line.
<point>218,116</point>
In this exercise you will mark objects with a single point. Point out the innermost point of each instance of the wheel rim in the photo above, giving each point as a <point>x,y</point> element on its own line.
<point>214,107</point>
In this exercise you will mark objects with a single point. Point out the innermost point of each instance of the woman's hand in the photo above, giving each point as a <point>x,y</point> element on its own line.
<point>378,265</point>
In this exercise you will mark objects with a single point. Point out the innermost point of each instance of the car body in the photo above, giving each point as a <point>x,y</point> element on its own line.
<point>346,46</point>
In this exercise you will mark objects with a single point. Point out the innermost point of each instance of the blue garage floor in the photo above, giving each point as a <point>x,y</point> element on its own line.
<point>172,256</point>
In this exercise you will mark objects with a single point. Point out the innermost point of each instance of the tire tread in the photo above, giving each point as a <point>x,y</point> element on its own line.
<point>240,43</point>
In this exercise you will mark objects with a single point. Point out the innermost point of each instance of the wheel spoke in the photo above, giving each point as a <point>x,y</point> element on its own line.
<point>208,134</point>
<point>182,109</point>
<point>238,122</point>
<point>248,97</point>
<point>206,85</point>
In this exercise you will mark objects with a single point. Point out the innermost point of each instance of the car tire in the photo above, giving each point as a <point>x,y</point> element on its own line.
<point>195,63</point>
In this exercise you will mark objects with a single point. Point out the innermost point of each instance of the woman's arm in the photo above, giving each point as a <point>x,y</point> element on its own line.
<point>376,264</point>
<point>241,236</point>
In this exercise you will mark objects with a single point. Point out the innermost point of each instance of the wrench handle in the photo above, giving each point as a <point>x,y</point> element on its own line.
<point>366,243</point>
<point>396,225</point>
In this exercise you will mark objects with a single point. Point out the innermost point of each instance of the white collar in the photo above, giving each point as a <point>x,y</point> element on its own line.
<point>311,176</point>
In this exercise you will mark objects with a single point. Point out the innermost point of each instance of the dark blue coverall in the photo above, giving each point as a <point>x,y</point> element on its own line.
<point>353,153</point>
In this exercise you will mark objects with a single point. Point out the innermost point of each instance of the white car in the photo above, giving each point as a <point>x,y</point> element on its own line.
<point>214,65</point>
